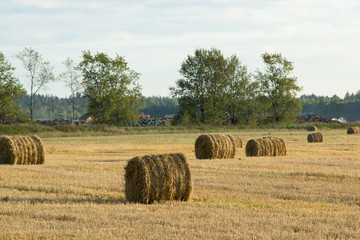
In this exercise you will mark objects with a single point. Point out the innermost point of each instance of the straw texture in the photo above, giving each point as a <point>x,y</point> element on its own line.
<point>157,178</point>
<point>315,137</point>
<point>21,150</point>
<point>266,146</point>
<point>353,130</point>
<point>211,146</point>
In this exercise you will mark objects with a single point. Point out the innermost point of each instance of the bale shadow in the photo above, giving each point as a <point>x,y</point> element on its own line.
<point>95,200</point>
<point>107,160</point>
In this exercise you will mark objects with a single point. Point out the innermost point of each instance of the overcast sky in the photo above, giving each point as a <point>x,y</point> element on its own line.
<point>321,37</point>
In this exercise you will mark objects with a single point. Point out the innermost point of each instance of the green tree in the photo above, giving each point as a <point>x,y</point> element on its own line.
<point>357,95</point>
<point>72,78</point>
<point>278,89</point>
<point>111,87</point>
<point>10,91</point>
<point>241,94</point>
<point>347,97</point>
<point>197,92</point>
<point>40,72</point>
<point>212,87</point>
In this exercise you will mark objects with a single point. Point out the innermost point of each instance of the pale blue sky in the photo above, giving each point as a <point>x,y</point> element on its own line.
<point>321,37</point>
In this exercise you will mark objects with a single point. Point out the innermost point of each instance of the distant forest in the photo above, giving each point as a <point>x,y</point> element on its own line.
<point>50,107</point>
<point>328,107</point>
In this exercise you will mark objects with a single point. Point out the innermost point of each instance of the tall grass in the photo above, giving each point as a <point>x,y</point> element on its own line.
<point>17,129</point>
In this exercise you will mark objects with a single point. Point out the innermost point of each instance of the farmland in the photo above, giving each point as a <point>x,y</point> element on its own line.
<point>312,192</point>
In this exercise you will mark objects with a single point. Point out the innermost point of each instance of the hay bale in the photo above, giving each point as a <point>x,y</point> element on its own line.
<point>353,130</point>
<point>315,137</point>
<point>156,178</point>
<point>21,150</point>
<point>23,159</point>
<point>210,146</point>
<point>312,128</point>
<point>8,150</point>
<point>266,146</point>
<point>238,142</point>
<point>39,150</point>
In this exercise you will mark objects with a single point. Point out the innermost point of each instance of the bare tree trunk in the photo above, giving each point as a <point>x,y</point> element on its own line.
<point>73,106</point>
<point>31,106</point>
<point>31,98</point>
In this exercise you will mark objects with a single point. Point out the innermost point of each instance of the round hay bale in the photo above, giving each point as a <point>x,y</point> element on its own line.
<point>156,178</point>
<point>315,137</point>
<point>238,142</point>
<point>312,128</point>
<point>266,146</point>
<point>21,150</point>
<point>40,150</point>
<point>8,150</point>
<point>353,130</point>
<point>211,146</point>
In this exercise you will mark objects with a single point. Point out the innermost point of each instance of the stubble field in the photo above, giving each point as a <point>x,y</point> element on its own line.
<point>312,193</point>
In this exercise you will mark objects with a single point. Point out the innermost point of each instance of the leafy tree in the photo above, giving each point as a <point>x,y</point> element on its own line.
<point>212,88</point>
<point>241,94</point>
<point>196,91</point>
<point>278,89</point>
<point>40,72</point>
<point>111,87</point>
<point>72,78</point>
<point>10,91</point>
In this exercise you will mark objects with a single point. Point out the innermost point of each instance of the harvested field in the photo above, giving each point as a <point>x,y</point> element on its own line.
<point>311,193</point>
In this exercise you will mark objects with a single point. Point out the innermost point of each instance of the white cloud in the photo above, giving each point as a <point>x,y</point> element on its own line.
<point>156,35</point>
<point>41,4</point>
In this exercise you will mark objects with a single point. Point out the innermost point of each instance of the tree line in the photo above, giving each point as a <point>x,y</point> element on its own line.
<point>333,106</point>
<point>54,108</point>
<point>213,89</point>
<point>111,89</point>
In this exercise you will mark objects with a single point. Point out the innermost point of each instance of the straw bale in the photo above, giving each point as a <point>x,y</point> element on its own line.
<point>40,150</point>
<point>238,142</point>
<point>157,178</point>
<point>315,137</point>
<point>353,130</point>
<point>266,146</point>
<point>211,146</point>
<point>21,150</point>
<point>34,150</point>
<point>8,150</point>
<point>312,128</point>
